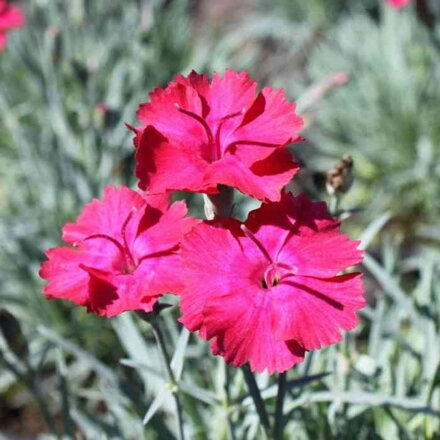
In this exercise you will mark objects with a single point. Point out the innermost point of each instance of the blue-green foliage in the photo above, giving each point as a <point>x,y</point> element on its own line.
<point>59,149</point>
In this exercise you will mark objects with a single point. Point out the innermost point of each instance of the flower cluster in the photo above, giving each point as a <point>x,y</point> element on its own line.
<point>262,292</point>
<point>10,17</point>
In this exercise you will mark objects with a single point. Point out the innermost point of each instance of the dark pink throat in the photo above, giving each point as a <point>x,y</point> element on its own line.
<point>213,136</point>
<point>276,272</point>
<point>128,262</point>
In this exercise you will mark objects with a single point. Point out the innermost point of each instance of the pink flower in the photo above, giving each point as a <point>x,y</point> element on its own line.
<point>10,17</point>
<point>196,134</point>
<point>398,3</point>
<point>123,254</point>
<point>268,290</point>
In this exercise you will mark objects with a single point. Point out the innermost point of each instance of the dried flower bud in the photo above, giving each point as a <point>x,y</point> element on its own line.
<point>11,330</point>
<point>340,179</point>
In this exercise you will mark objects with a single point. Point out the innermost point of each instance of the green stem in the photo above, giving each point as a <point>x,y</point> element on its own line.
<point>231,429</point>
<point>279,413</point>
<point>256,397</point>
<point>38,396</point>
<point>334,204</point>
<point>157,331</point>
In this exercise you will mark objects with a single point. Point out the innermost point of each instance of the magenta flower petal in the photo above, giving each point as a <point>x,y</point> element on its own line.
<point>230,94</point>
<point>397,4</point>
<point>3,39</point>
<point>263,180</point>
<point>299,223</point>
<point>11,17</point>
<point>271,120</point>
<point>321,307</point>
<point>203,249</point>
<point>269,297</point>
<point>63,274</point>
<point>111,295</point>
<point>161,166</point>
<point>165,234</point>
<point>106,216</point>
<point>163,114</point>
<point>242,327</point>
<point>161,274</point>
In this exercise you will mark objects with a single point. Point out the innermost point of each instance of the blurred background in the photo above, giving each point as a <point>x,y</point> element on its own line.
<point>366,78</point>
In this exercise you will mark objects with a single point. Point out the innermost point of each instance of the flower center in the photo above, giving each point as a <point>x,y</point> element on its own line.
<point>128,262</point>
<point>214,141</point>
<point>276,271</point>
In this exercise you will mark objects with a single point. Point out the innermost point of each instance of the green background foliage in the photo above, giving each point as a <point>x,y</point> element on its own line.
<point>97,378</point>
